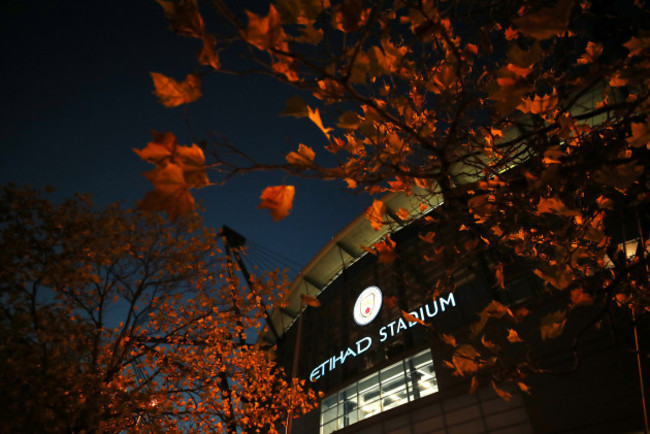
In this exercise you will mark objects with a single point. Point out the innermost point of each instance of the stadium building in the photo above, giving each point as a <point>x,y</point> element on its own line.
<point>381,373</point>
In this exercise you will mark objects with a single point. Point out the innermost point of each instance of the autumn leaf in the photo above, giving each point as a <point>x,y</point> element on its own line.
<point>579,298</point>
<point>207,55</point>
<point>466,360</point>
<point>552,325</point>
<point>171,193</point>
<point>278,200</point>
<point>538,104</point>
<point>637,45</point>
<point>308,300</point>
<point>489,344</point>
<point>314,116</point>
<point>304,156</point>
<point>592,52</point>
<point>523,387</point>
<point>412,318</point>
<point>474,385</point>
<point>265,33</point>
<point>386,251</point>
<point>556,276</point>
<point>403,214</point>
<point>493,310</point>
<point>546,22</point>
<point>640,134</point>
<point>375,214</point>
<point>171,93</point>
<point>184,17</point>
<point>511,34</point>
<point>502,393</point>
<point>296,107</point>
<point>620,176</point>
<point>554,205</point>
<point>349,120</point>
<point>513,336</point>
<point>448,339</point>
<point>498,273</point>
<point>164,150</point>
<point>428,237</point>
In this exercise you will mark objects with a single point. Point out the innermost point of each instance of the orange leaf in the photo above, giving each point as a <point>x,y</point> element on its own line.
<point>296,107</point>
<point>448,339</point>
<point>547,22</point>
<point>207,55</point>
<point>579,297</point>
<point>592,52</point>
<point>466,360</point>
<point>523,387</point>
<point>386,251</point>
<point>640,135</point>
<point>513,336</point>
<point>278,199</point>
<point>412,318</point>
<point>539,104</point>
<point>164,150</point>
<point>474,386</point>
<point>375,214</point>
<point>403,214</point>
<point>511,34</point>
<point>428,237</point>
<point>304,156</point>
<point>617,80</point>
<point>314,116</point>
<point>171,93</point>
<point>265,33</point>
<point>552,325</point>
<point>184,17</point>
<point>171,194</point>
<point>309,300</point>
<point>489,345</point>
<point>499,276</point>
<point>554,205</point>
<point>502,393</point>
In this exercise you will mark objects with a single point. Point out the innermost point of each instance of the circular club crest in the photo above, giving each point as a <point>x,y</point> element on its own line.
<point>367,305</point>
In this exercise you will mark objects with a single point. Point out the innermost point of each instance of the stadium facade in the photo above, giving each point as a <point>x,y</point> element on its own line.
<point>383,373</point>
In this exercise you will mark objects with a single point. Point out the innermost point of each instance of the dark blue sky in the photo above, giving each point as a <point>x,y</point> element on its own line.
<point>76,98</point>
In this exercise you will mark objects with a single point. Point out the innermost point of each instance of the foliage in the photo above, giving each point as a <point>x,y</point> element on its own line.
<point>528,120</point>
<point>114,321</point>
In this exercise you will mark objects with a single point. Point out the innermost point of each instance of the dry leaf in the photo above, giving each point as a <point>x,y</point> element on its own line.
<point>278,199</point>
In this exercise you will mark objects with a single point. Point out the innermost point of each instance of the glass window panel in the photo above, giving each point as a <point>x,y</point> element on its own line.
<point>396,399</point>
<point>427,386</point>
<point>391,372</point>
<point>369,395</point>
<point>330,427</point>
<point>328,416</point>
<point>348,393</point>
<point>368,382</point>
<point>393,386</point>
<point>329,402</point>
<point>350,412</point>
<point>421,359</point>
<point>370,409</point>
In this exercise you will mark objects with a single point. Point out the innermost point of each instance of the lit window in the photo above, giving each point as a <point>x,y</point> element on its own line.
<point>397,384</point>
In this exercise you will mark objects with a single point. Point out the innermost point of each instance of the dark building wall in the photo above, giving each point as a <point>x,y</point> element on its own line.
<point>601,396</point>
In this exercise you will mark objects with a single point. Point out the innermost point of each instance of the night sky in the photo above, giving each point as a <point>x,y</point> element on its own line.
<point>76,98</point>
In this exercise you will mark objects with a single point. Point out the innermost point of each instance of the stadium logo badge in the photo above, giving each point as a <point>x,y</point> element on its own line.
<point>367,305</point>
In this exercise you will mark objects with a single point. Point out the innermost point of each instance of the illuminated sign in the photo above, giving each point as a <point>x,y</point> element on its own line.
<point>367,305</point>
<point>390,330</point>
